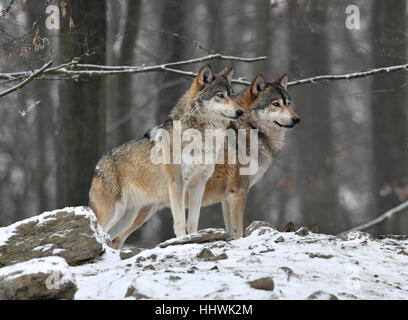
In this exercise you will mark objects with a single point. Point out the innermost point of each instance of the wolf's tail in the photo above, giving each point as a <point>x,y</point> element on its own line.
<point>105,190</point>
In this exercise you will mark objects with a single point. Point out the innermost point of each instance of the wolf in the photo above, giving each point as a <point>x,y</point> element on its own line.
<point>125,180</point>
<point>268,109</point>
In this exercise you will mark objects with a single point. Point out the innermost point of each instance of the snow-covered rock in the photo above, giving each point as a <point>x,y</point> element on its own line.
<point>71,233</point>
<point>44,278</point>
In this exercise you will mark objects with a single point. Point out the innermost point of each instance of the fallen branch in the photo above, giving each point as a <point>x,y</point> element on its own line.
<point>201,236</point>
<point>387,215</point>
<point>27,80</point>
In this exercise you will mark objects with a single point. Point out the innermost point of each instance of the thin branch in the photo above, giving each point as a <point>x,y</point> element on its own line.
<point>74,70</point>
<point>27,80</point>
<point>387,215</point>
<point>348,76</point>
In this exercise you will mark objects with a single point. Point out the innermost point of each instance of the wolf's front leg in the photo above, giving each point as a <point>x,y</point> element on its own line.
<point>237,201</point>
<point>177,193</point>
<point>195,196</point>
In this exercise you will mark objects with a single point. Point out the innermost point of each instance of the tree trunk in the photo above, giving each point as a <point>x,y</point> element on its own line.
<point>389,108</point>
<point>315,182</point>
<point>173,49</point>
<point>173,20</point>
<point>81,134</point>
<point>123,107</point>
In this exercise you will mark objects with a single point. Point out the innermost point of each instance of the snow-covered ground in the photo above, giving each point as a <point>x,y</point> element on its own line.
<point>311,266</point>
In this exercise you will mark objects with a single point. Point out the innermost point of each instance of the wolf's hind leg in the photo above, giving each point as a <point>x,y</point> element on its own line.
<point>226,214</point>
<point>124,221</point>
<point>142,216</point>
<point>195,196</point>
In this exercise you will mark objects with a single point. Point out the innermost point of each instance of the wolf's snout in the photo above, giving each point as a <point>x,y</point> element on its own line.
<point>239,112</point>
<point>295,120</point>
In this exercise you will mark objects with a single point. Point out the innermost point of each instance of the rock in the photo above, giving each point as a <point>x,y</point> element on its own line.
<point>279,239</point>
<point>201,236</point>
<point>266,283</point>
<point>71,233</point>
<point>289,273</point>
<point>192,269</point>
<point>129,253</point>
<point>43,278</point>
<point>319,255</point>
<point>321,295</point>
<point>255,225</point>
<point>174,278</point>
<point>222,256</point>
<point>303,231</point>
<point>132,292</point>
<point>393,236</point>
<point>149,267</point>
<point>205,254</point>
<point>354,235</point>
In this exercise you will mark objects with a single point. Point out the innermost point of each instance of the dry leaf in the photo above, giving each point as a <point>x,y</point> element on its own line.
<point>51,54</point>
<point>71,23</point>
<point>63,6</point>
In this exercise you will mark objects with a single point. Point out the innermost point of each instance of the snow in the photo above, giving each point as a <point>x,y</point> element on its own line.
<point>352,267</point>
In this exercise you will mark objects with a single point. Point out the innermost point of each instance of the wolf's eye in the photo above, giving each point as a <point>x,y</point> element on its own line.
<point>220,95</point>
<point>276,104</point>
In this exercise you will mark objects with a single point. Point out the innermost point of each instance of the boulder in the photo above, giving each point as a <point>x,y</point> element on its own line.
<point>266,283</point>
<point>321,295</point>
<point>44,278</point>
<point>71,233</point>
<point>255,225</point>
<point>129,253</point>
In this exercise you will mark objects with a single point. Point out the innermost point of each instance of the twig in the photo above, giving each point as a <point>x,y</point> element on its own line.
<point>98,70</point>
<point>74,70</point>
<point>27,80</point>
<point>401,208</point>
<point>354,75</point>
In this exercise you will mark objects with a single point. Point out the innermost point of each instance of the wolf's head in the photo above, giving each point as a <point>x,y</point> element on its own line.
<point>213,94</point>
<point>270,104</point>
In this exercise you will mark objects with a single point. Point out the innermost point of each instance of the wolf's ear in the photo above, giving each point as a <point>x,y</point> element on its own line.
<point>257,85</point>
<point>228,73</point>
<point>205,75</point>
<point>283,81</point>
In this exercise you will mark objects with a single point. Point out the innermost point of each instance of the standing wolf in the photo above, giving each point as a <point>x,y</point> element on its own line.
<point>126,180</point>
<point>267,108</point>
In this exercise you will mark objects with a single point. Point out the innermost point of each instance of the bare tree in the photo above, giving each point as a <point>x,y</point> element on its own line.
<point>389,107</point>
<point>123,106</point>
<point>81,131</point>
<point>315,183</point>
